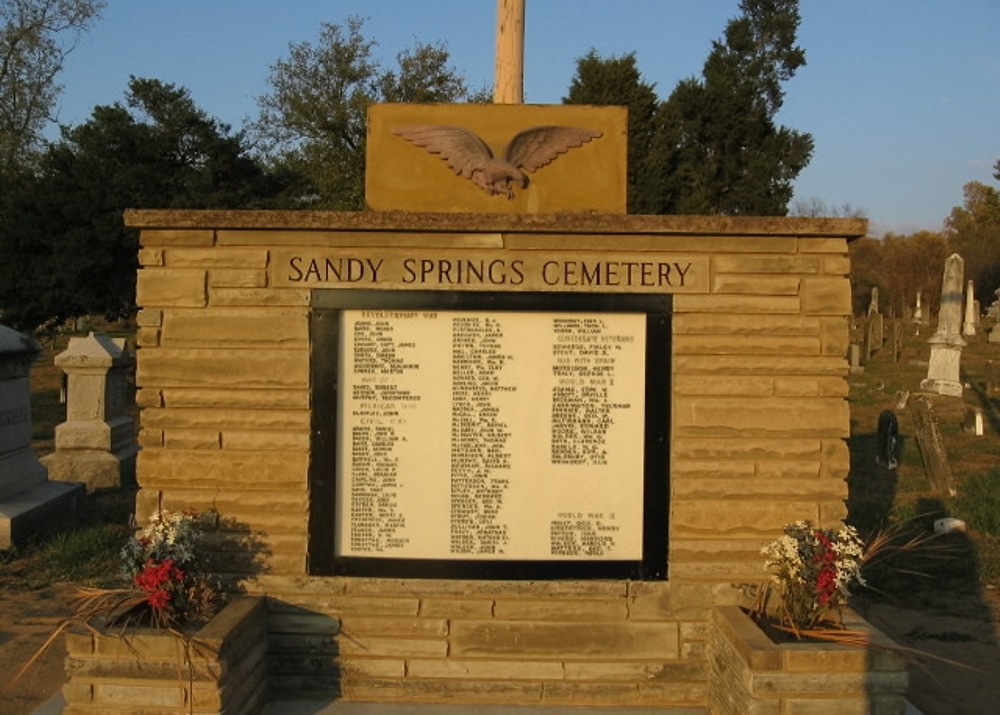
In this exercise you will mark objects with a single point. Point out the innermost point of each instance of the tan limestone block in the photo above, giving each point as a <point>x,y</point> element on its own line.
<point>817,244</point>
<point>755,285</point>
<point>659,691</point>
<point>270,297</point>
<point>176,237</point>
<point>826,296</point>
<point>165,287</point>
<point>456,608</point>
<point>236,328</point>
<point>736,303</point>
<point>599,589</point>
<point>233,469</point>
<point>485,669</point>
<point>835,336</point>
<point>147,337</point>
<point>592,694</point>
<point>788,469</point>
<point>406,626</point>
<point>149,398</point>
<point>528,639</point>
<point>150,696</point>
<point>832,513</point>
<point>742,448</point>
<point>372,667</point>
<point>729,386</point>
<point>217,257</point>
<point>796,387</point>
<point>263,399</point>
<point>207,418</point>
<point>761,325</point>
<point>725,573</point>
<point>351,238</point>
<point>833,387</point>
<point>236,278</point>
<point>836,265</point>
<point>836,462</point>
<point>259,439</point>
<point>269,509</point>
<point>738,517</point>
<point>767,486</point>
<point>150,257</point>
<point>745,345</point>
<point>147,318</point>
<point>641,671</point>
<point>673,239</point>
<point>150,438</point>
<point>403,176</point>
<point>391,647</point>
<point>784,265</point>
<point>760,417</point>
<point>676,599</point>
<point>553,610</point>
<point>442,690</point>
<point>191,439</point>
<point>696,469</point>
<point>757,365</point>
<point>245,369</point>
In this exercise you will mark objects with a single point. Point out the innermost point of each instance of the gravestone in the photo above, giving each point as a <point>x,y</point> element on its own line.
<point>29,502</point>
<point>887,450</point>
<point>918,312</point>
<point>972,422</point>
<point>943,371</point>
<point>96,444</point>
<point>854,358</point>
<point>931,447</point>
<point>969,327</point>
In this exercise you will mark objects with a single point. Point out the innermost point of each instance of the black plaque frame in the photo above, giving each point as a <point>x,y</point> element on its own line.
<point>324,342</point>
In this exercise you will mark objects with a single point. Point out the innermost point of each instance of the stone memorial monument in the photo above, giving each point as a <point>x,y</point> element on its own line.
<point>29,502</point>
<point>463,419</point>
<point>96,444</point>
<point>943,371</point>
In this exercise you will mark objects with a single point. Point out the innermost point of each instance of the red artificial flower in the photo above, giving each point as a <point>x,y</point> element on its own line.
<point>154,579</point>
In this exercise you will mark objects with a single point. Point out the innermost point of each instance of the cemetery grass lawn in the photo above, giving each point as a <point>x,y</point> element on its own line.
<point>945,598</point>
<point>950,608</point>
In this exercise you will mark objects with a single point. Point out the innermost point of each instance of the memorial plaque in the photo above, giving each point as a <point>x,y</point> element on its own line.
<point>464,435</point>
<point>496,435</point>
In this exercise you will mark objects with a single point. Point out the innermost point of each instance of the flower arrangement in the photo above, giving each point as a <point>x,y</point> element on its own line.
<point>160,562</point>
<point>813,571</point>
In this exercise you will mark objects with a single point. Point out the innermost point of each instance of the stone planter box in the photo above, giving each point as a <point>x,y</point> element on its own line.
<point>752,675</point>
<point>223,670</point>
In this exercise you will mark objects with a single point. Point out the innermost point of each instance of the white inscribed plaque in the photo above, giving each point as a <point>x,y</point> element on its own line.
<point>490,435</point>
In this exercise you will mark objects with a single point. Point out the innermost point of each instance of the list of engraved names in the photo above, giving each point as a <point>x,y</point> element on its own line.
<point>490,435</point>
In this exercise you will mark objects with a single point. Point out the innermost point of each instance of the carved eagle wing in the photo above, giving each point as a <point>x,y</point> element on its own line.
<point>460,148</point>
<point>535,147</point>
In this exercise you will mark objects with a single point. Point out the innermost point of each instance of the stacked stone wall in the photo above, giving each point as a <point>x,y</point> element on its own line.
<point>759,419</point>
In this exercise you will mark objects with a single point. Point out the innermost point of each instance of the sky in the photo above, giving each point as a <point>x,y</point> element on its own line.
<point>902,97</point>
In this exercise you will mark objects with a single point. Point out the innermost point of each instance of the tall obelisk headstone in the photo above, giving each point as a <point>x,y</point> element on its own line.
<point>943,374</point>
<point>969,328</point>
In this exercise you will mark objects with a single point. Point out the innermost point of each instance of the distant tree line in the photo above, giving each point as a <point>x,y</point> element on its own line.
<point>711,147</point>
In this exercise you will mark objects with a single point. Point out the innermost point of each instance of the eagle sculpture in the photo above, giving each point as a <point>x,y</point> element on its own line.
<point>469,156</point>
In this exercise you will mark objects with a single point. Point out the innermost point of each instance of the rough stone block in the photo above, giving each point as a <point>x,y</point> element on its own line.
<point>245,258</point>
<point>528,639</point>
<point>176,237</point>
<point>163,287</point>
<point>826,296</point>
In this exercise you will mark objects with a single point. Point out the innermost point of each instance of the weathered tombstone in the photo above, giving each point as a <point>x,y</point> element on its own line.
<point>969,327</point>
<point>931,447</point>
<point>96,444</point>
<point>887,450</point>
<point>29,502</point>
<point>854,358</point>
<point>972,422</point>
<point>943,374</point>
<point>873,303</point>
<point>918,313</point>
<point>878,331</point>
<point>896,337</point>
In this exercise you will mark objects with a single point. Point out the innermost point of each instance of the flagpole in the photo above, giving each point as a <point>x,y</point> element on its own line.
<point>508,87</point>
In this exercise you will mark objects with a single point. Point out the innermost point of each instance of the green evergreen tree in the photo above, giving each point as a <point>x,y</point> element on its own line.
<point>64,251</point>
<point>723,152</point>
<point>617,81</point>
